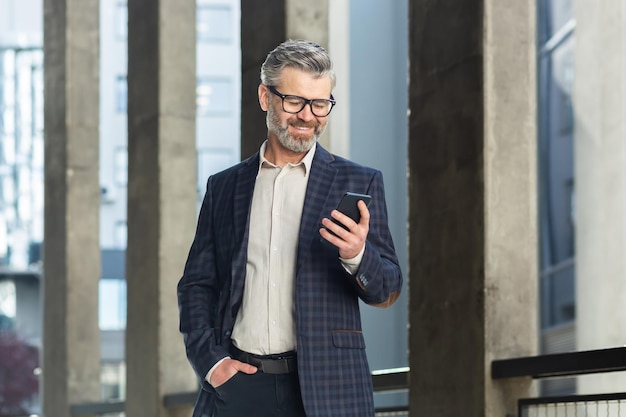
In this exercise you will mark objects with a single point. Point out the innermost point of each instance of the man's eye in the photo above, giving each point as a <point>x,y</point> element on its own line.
<point>293,101</point>
<point>320,104</point>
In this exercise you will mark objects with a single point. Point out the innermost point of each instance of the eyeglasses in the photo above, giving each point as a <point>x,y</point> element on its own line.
<point>294,104</point>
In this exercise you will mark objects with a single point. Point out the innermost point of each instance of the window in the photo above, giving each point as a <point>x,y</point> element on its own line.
<point>214,23</point>
<point>120,234</point>
<point>121,21</point>
<point>113,381</point>
<point>112,305</point>
<point>7,304</point>
<point>4,235</point>
<point>121,94</point>
<point>214,96</point>
<point>556,162</point>
<point>120,168</point>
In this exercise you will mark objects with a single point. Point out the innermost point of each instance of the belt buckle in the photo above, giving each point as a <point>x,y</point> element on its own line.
<point>278,366</point>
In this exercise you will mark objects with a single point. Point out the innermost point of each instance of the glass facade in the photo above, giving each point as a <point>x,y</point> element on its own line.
<point>7,305</point>
<point>556,161</point>
<point>214,22</point>
<point>112,304</point>
<point>214,97</point>
<point>22,151</point>
<point>21,154</point>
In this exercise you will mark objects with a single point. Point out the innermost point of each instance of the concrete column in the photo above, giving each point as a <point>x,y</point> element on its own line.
<point>161,198</point>
<point>71,345</point>
<point>600,174</point>
<point>263,27</point>
<point>472,203</point>
<point>309,20</point>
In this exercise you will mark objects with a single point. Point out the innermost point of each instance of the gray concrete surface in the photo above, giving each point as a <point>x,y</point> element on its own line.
<point>161,198</point>
<point>472,203</point>
<point>71,356</point>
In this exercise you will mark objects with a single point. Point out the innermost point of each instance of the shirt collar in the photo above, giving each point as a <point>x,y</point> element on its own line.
<point>307,161</point>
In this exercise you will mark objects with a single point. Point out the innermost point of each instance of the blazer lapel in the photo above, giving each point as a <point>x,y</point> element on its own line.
<point>244,189</point>
<point>318,189</point>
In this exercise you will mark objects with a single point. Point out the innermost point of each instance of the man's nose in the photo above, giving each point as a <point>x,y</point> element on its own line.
<point>306,113</point>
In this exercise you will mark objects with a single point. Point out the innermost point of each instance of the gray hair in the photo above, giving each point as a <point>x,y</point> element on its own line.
<point>302,55</point>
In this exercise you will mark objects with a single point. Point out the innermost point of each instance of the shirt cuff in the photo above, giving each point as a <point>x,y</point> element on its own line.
<point>208,375</point>
<point>352,265</point>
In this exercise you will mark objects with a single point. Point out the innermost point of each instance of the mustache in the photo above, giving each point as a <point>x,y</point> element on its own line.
<point>303,124</point>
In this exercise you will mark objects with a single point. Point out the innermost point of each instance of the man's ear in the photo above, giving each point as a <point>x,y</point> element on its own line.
<point>264,100</point>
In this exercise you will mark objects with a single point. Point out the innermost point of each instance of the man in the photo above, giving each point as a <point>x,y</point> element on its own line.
<point>269,297</point>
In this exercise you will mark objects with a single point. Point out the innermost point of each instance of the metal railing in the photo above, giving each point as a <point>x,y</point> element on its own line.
<point>98,408</point>
<point>543,366</point>
<point>564,365</point>
<point>604,405</point>
<point>383,380</point>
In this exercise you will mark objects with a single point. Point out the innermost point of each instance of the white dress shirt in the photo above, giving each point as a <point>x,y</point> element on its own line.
<point>265,323</point>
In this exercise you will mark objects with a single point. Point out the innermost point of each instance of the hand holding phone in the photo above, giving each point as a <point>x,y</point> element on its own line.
<point>348,206</point>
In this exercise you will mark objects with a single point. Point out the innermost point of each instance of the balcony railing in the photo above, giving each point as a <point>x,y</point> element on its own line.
<point>543,366</point>
<point>383,380</point>
<point>564,365</point>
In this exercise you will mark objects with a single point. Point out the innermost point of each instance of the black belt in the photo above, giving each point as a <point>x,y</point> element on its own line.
<point>280,363</point>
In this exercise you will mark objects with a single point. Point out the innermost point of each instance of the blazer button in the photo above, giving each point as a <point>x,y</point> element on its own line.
<point>227,333</point>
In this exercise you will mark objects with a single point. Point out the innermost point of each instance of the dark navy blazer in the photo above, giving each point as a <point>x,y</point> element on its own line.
<point>334,375</point>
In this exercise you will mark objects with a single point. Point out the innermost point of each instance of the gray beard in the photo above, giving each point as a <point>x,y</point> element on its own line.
<point>294,144</point>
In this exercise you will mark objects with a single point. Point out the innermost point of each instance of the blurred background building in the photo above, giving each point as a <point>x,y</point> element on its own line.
<point>218,146</point>
<point>581,114</point>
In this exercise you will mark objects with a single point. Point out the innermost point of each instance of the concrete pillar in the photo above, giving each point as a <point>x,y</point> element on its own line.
<point>472,203</point>
<point>161,198</point>
<point>600,173</point>
<point>309,20</point>
<point>71,353</point>
<point>263,27</point>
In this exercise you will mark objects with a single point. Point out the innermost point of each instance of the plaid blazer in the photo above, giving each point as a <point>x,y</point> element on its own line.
<point>334,374</point>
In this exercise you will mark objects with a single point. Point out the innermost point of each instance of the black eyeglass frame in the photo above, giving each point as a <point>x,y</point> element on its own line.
<point>305,101</point>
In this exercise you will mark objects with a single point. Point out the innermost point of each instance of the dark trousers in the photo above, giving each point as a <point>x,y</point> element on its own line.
<point>260,395</point>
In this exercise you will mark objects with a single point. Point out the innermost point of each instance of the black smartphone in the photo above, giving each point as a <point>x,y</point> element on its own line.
<point>348,206</point>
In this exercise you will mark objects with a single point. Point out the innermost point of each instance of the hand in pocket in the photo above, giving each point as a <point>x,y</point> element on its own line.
<point>227,369</point>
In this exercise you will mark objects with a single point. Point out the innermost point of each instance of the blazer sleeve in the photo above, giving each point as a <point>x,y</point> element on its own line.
<point>378,279</point>
<point>198,295</point>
